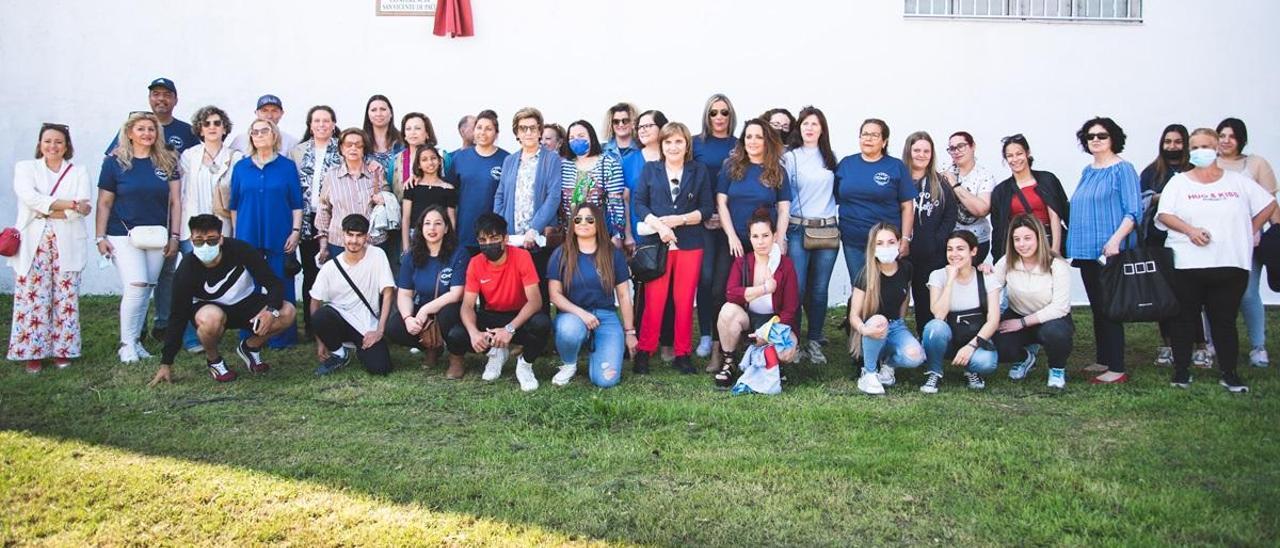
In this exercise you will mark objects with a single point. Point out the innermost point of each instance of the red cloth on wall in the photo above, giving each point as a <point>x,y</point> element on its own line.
<point>453,19</point>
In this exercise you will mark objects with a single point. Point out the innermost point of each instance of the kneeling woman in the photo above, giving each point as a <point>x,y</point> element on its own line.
<point>430,280</point>
<point>585,276</point>
<point>1038,286</point>
<point>754,295</point>
<point>966,312</point>
<point>877,311</point>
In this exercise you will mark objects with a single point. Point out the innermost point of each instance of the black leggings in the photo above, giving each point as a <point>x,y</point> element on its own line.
<point>920,293</point>
<point>716,261</point>
<point>333,330</point>
<point>308,249</point>
<point>1108,335</point>
<point>1218,291</point>
<point>1054,335</point>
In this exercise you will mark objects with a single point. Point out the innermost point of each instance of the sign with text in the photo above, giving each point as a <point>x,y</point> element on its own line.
<point>406,7</point>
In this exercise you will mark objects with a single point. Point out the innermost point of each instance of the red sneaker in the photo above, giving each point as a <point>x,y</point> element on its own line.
<point>33,366</point>
<point>221,372</point>
<point>252,358</point>
<point>1123,378</point>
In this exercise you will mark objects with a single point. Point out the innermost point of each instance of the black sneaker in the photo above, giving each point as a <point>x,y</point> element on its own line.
<point>1181,380</point>
<point>252,358</point>
<point>1233,384</point>
<point>640,364</point>
<point>333,363</point>
<point>684,365</point>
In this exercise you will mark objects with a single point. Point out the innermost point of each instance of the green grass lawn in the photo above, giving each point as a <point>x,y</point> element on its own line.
<point>90,456</point>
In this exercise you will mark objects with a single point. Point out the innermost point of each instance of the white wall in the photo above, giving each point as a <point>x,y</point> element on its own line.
<point>87,64</point>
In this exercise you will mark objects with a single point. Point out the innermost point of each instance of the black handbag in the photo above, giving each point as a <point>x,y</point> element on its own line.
<point>965,324</point>
<point>1135,286</point>
<point>649,261</point>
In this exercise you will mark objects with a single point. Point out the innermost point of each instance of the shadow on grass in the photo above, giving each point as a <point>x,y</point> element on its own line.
<point>663,459</point>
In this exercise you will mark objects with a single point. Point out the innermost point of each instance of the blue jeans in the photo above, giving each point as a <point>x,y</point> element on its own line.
<point>855,257</point>
<point>189,338</point>
<point>813,275</point>
<point>1255,319</point>
<point>605,367</point>
<point>937,341</point>
<point>898,343</point>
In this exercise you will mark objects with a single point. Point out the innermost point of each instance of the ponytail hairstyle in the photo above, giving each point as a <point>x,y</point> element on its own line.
<point>871,277</point>
<point>604,250</point>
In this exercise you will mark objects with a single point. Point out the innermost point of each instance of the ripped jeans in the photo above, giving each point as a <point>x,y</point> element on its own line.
<point>608,344</point>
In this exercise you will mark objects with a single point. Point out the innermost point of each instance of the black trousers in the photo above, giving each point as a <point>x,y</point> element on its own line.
<point>308,249</point>
<point>1054,335</point>
<point>716,261</point>
<point>1218,291</point>
<point>920,292</point>
<point>333,330</point>
<point>533,335</point>
<point>1108,335</point>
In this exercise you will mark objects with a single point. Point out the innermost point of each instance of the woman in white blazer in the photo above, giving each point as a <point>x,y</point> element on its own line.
<point>53,200</point>
<point>206,171</point>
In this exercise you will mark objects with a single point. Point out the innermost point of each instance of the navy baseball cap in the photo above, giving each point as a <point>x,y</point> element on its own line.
<point>270,100</point>
<point>164,83</point>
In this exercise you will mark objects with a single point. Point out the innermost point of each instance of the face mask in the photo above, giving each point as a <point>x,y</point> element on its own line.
<point>1171,155</point>
<point>579,146</point>
<point>1203,157</point>
<point>206,253</point>
<point>492,252</point>
<point>887,254</point>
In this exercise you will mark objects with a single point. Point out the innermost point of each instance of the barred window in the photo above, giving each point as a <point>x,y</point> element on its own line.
<point>1124,11</point>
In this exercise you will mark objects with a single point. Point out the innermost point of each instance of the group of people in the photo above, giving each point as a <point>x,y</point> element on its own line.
<point>465,251</point>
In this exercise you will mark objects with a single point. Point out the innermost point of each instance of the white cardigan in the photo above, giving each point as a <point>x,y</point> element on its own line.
<point>32,182</point>
<point>192,162</point>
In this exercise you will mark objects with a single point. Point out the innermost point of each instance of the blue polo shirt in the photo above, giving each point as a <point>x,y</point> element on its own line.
<point>750,194</point>
<point>477,179</point>
<point>869,193</point>
<point>141,194</point>
<point>587,290</point>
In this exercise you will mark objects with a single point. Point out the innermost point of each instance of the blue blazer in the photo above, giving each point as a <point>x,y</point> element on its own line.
<point>546,190</point>
<point>653,195</point>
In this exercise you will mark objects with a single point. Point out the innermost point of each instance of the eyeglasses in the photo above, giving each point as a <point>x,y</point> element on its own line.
<point>589,219</point>
<point>212,123</point>
<point>957,148</point>
<point>870,135</point>
<point>1097,136</point>
<point>643,127</point>
<point>260,131</point>
<point>526,129</point>
<point>621,121</point>
<point>713,112</point>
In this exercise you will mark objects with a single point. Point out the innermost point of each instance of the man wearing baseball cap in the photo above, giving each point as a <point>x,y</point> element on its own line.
<point>270,108</point>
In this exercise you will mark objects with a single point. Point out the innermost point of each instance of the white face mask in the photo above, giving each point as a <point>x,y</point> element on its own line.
<point>887,254</point>
<point>1203,157</point>
<point>206,253</point>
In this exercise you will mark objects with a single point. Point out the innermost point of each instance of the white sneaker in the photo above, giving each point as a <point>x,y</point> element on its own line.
<point>128,354</point>
<point>1202,359</point>
<point>704,347</point>
<point>816,356</point>
<point>869,384</point>
<point>886,375</point>
<point>414,350</point>
<point>1164,356</point>
<point>143,354</point>
<point>524,374</point>
<point>1057,378</point>
<point>493,369</point>
<point>1258,357</point>
<point>564,375</point>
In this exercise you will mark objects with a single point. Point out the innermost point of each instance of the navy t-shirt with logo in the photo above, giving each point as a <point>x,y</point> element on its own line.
<point>870,193</point>
<point>433,278</point>
<point>586,290</point>
<point>476,178</point>
<point>178,137</point>
<point>141,194</point>
<point>750,194</point>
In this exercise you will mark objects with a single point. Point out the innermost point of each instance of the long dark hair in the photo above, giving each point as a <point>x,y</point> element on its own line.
<point>1161,165</point>
<point>393,134</point>
<point>604,250</point>
<point>306,135</point>
<point>738,161</point>
<point>418,247</point>
<point>824,140</point>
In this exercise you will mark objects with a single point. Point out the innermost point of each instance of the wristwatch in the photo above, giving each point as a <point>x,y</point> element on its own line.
<point>274,313</point>
<point>629,332</point>
<point>99,240</point>
<point>510,329</point>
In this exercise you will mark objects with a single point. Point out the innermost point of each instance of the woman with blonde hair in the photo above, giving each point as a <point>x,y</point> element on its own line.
<point>1038,287</point>
<point>877,312</point>
<point>139,201</point>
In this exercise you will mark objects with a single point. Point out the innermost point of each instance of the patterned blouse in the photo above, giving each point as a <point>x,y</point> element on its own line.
<point>307,174</point>
<point>601,185</point>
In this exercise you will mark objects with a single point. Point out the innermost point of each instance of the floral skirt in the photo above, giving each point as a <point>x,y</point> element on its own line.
<point>46,308</point>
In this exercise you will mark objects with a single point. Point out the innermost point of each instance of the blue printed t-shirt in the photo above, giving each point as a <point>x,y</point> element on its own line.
<point>433,278</point>
<point>586,290</point>
<point>712,152</point>
<point>477,179</point>
<point>750,194</point>
<point>142,194</point>
<point>632,166</point>
<point>870,193</point>
<point>178,136</point>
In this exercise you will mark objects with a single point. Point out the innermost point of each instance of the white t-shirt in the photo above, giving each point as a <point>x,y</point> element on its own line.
<point>964,295</point>
<point>1225,208</point>
<point>372,274</point>
<point>979,181</point>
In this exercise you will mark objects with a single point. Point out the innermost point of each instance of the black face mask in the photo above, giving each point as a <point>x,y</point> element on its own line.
<point>492,252</point>
<point>1171,155</point>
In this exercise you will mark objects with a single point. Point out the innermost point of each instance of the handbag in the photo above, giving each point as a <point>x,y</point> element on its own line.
<point>148,237</point>
<point>1135,286</point>
<point>11,238</point>
<point>965,324</point>
<point>820,234</point>
<point>649,261</point>
<point>430,336</point>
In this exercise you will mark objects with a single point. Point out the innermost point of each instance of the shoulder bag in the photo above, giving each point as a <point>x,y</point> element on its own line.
<point>11,238</point>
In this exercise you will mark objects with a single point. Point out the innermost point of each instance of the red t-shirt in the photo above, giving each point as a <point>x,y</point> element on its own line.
<point>1037,205</point>
<point>502,286</point>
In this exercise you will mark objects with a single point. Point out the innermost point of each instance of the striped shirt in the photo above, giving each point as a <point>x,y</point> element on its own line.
<point>1102,200</point>
<point>602,185</point>
<point>342,194</point>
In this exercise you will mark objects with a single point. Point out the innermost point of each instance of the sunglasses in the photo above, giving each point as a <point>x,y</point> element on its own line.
<point>713,112</point>
<point>589,219</point>
<point>210,241</point>
<point>260,131</point>
<point>1015,138</point>
<point>621,121</point>
<point>1097,136</point>
<point>211,123</point>
<point>50,125</point>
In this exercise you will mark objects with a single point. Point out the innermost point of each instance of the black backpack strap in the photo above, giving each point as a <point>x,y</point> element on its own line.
<point>982,291</point>
<point>1022,198</point>
<point>338,263</point>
